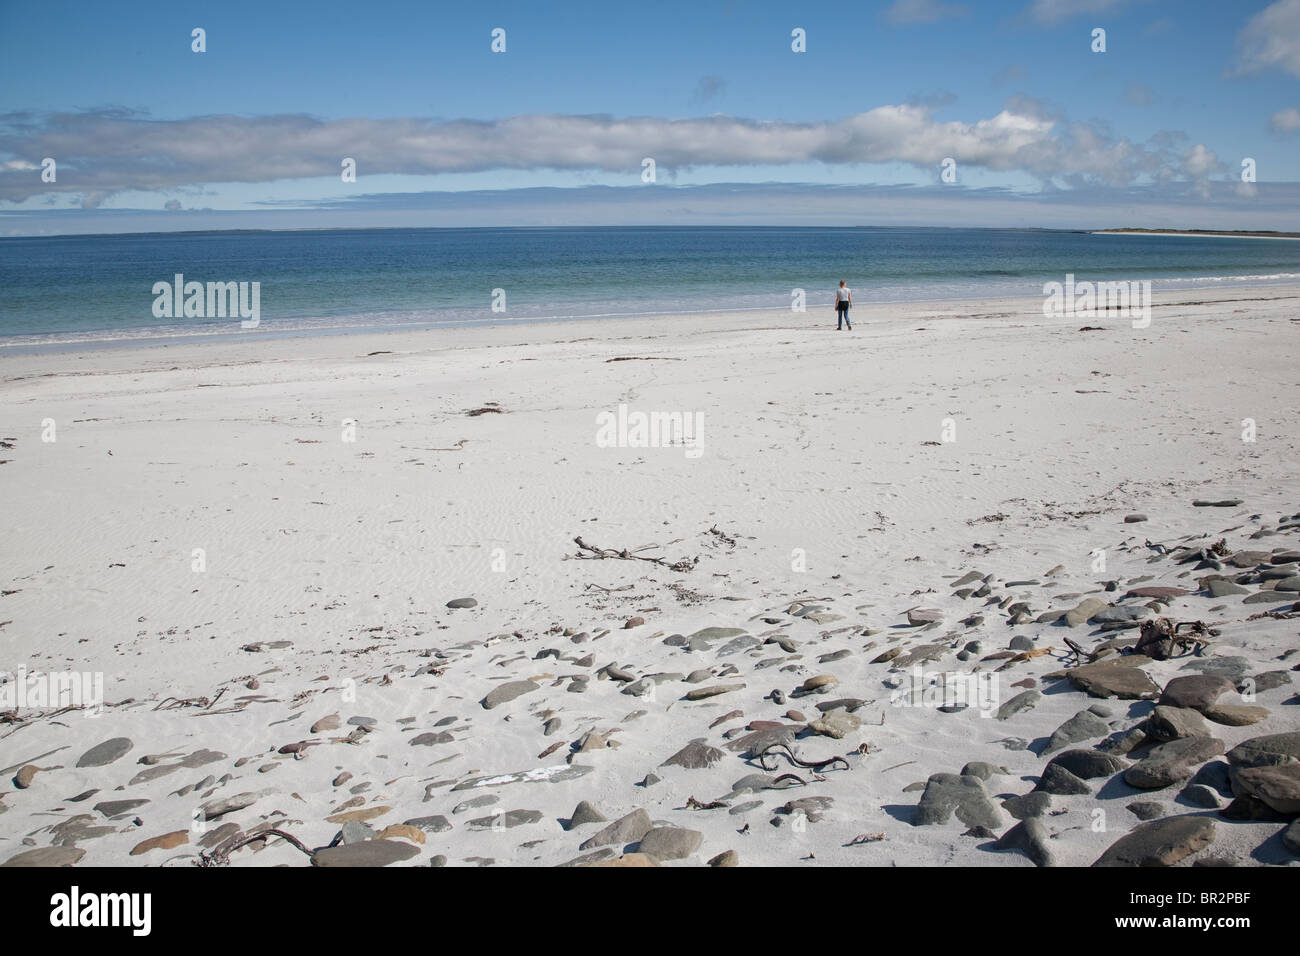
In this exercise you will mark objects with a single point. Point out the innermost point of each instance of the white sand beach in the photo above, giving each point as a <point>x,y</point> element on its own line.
<point>860,474</point>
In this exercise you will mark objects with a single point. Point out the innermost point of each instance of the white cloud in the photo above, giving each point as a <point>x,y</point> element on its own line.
<point>1285,121</point>
<point>904,12</point>
<point>1271,39</point>
<point>103,152</point>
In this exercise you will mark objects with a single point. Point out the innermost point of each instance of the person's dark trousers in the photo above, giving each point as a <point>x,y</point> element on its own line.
<point>843,315</point>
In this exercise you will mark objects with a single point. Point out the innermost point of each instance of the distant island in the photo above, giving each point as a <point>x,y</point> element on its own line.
<point>1206,233</point>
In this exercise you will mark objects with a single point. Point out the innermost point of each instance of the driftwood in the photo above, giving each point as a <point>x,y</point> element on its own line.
<point>221,855</point>
<point>587,552</point>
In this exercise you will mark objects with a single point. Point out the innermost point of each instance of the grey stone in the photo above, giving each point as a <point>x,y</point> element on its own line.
<point>1032,804</point>
<point>1172,723</point>
<point>506,820</point>
<point>1030,837</point>
<point>1199,795</point>
<point>949,793</point>
<point>105,753</point>
<point>1088,764</point>
<point>1146,809</point>
<point>584,812</point>
<point>1115,676</point>
<point>1025,700</point>
<point>503,693</point>
<point>1085,725</point>
<point>1160,843</point>
<point>433,824</point>
<point>466,602</point>
<point>1174,762</point>
<point>626,829</point>
<point>369,853</point>
<point>1195,691</point>
<point>113,809</point>
<point>697,755</point>
<point>670,843</point>
<point>1056,779</point>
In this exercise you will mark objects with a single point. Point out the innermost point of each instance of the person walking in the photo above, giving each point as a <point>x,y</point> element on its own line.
<point>843,299</point>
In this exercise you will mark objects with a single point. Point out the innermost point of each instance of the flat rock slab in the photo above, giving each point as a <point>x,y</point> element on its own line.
<point>1085,725</point>
<point>1157,591</point>
<point>1195,691</point>
<point>1115,676</point>
<point>103,754</point>
<point>1160,843</point>
<point>1268,750</point>
<point>504,693</point>
<point>713,690</point>
<point>1277,786</point>
<point>697,755</point>
<point>670,843</point>
<point>1025,700</point>
<point>949,793</point>
<point>1082,611</point>
<point>1168,723</point>
<point>626,829</point>
<point>46,856</point>
<point>369,853</point>
<point>1174,762</point>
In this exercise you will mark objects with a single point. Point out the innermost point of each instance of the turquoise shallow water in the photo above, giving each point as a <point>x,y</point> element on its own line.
<point>100,288</point>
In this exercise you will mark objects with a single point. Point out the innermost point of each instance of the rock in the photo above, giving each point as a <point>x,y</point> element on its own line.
<point>1085,609</point>
<point>1220,587</point>
<point>1277,786</point>
<point>1196,691</point>
<point>1088,764</point>
<point>726,858</point>
<point>1236,715</point>
<point>325,724</point>
<point>369,853</point>
<point>632,622</point>
<point>1172,723</point>
<point>1030,837</point>
<point>1146,809</point>
<point>670,843</point>
<point>818,684</point>
<point>1056,779</point>
<point>697,755</point>
<point>626,829</point>
<point>466,602</point>
<point>1224,503</point>
<point>507,820</point>
<point>949,793</point>
<point>167,841</point>
<point>1032,804</point>
<point>836,724</point>
<point>982,769</point>
<point>433,824</point>
<point>429,738</point>
<point>1269,750</point>
<point>584,812</point>
<point>627,859</point>
<point>1085,725</point>
<point>924,615</point>
<point>504,693</point>
<point>402,831</point>
<point>1234,668</point>
<point>713,690</point>
<point>1158,592</point>
<point>1291,837</point>
<point>23,778</point>
<point>46,856</point>
<point>1171,763</point>
<point>1115,676</point>
<point>216,808</point>
<point>1199,795</point>
<point>1121,613</point>
<point>1160,843</point>
<point>1025,700</point>
<point>113,809</point>
<point>361,815</point>
<point>1134,518</point>
<point>1021,643</point>
<point>103,754</point>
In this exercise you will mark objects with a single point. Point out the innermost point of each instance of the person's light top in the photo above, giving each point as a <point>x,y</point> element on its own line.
<point>842,294</point>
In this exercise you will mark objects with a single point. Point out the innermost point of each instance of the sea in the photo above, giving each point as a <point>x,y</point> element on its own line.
<point>99,290</point>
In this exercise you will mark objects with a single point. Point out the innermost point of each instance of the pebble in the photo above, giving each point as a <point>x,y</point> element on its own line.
<point>504,693</point>
<point>948,793</point>
<point>369,853</point>
<point>670,843</point>
<point>1162,842</point>
<point>105,753</point>
<point>465,602</point>
<point>697,755</point>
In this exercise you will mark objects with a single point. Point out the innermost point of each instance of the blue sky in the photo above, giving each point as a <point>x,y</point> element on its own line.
<point>148,134</point>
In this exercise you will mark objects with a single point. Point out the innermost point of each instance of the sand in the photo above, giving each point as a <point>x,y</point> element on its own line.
<point>824,473</point>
